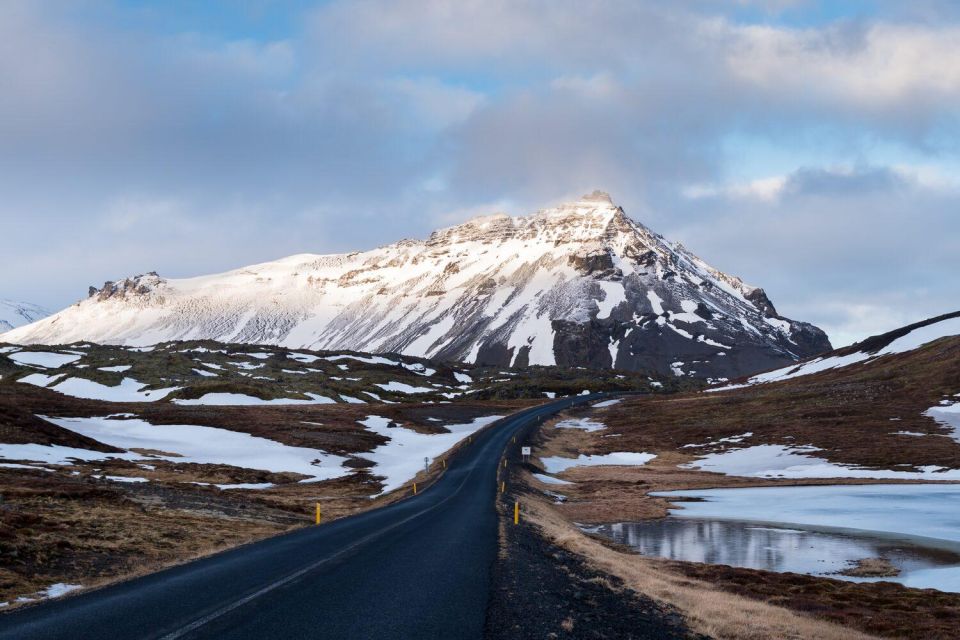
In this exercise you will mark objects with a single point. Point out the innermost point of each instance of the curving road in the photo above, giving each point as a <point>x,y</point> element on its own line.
<point>418,568</point>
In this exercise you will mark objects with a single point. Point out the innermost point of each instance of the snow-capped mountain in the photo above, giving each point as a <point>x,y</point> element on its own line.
<point>580,284</point>
<point>16,314</point>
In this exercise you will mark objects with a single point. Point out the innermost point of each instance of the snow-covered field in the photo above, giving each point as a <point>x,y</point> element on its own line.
<point>557,464</point>
<point>45,359</point>
<point>403,457</point>
<point>779,461</point>
<point>207,445</point>
<point>947,415</point>
<point>398,460</point>
<point>550,479</point>
<point>585,424</point>
<point>239,399</point>
<point>606,403</point>
<point>129,390</point>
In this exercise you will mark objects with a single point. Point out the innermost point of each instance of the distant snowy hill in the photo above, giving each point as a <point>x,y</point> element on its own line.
<point>580,284</point>
<point>16,314</point>
<point>902,340</point>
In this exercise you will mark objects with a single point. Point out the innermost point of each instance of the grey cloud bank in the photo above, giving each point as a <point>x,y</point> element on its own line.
<point>125,148</point>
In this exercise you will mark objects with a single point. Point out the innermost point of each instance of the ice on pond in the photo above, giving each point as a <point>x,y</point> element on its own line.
<point>922,515</point>
<point>784,549</point>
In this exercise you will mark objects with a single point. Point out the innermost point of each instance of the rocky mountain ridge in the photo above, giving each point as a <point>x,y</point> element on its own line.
<point>580,284</point>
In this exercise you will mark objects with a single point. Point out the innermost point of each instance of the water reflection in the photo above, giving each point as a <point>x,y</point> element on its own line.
<point>744,544</point>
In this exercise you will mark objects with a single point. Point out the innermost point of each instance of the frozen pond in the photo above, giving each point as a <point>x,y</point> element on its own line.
<point>815,530</point>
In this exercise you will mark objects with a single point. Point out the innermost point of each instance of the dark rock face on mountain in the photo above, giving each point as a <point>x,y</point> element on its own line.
<point>580,284</point>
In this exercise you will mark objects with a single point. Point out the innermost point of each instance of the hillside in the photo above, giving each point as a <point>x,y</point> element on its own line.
<point>16,314</point>
<point>883,412</point>
<point>580,284</point>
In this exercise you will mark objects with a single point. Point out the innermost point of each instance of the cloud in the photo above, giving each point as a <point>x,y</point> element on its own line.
<point>129,148</point>
<point>853,249</point>
<point>869,67</point>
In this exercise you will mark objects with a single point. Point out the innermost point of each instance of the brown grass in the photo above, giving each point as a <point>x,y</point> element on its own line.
<point>708,610</point>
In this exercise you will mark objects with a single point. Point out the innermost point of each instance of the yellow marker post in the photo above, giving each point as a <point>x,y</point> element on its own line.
<point>503,486</point>
<point>318,513</point>
<point>444,463</point>
<point>516,513</point>
<point>414,488</point>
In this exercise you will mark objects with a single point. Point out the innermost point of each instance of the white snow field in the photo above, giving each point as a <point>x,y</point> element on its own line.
<point>606,403</point>
<point>44,359</point>
<point>402,387</point>
<point>947,415</point>
<point>403,457</point>
<point>550,479</point>
<point>585,424</point>
<point>206,445</point>
<point>129,390</point>
<point>913,340</point>
<point>239,399</point>
<point>557,464</point>
<point>779,461</point>
<point>917,510</point>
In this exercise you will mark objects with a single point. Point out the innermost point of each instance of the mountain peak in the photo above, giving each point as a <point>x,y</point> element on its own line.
<point>597,197</point>
<point>578,284</point>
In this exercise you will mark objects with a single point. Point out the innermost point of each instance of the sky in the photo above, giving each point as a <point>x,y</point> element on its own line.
<point>809,146</point>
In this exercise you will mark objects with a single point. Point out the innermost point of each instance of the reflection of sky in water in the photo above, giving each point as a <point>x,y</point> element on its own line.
<point>743,544</point>
<point>931,510</point>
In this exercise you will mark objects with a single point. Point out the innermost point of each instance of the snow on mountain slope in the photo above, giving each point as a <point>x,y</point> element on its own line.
<point>16,314</point>
<point>580,284</point>
<point>900,340</point>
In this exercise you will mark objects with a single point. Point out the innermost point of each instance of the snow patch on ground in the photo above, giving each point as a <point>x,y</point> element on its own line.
<point>43,359</point>
<point>364,359</point>
<point>606,403</point>
<point>402,387</point>
<point>196,444</point>
<point>239,399</point>
<point>619,458</point>
<point>779,461</point>
<point>402,457</point>
<point>129,390</point>
<point>948,416</point>
<point>580,423</point>
<point>550,479</point>
<point>59,589</point>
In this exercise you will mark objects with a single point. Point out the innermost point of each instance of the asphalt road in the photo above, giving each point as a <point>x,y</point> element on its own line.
<point>418,568</point>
